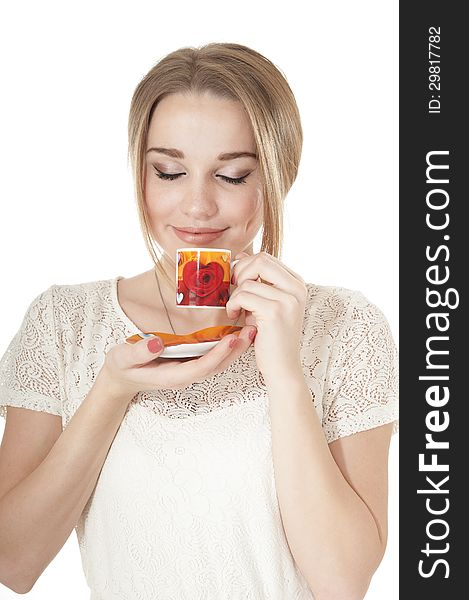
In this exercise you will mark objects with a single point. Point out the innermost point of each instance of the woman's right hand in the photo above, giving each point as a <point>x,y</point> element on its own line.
<point>131,368</point>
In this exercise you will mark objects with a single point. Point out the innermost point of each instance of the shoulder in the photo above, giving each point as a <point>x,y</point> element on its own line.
<point>79,299</point>
<point>341,313</point>
<point>336,293</point>
<point>328,305</point>
<point>89,289</point>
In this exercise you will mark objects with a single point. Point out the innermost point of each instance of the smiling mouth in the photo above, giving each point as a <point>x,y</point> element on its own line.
<point>196,230</point>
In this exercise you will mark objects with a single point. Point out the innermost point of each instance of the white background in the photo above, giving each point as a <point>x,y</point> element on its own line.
<point>67,210</point>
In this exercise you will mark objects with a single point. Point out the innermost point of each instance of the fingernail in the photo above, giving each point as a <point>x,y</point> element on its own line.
<point>155,344</point>
<point>252,334</point>
<point>233,342</point>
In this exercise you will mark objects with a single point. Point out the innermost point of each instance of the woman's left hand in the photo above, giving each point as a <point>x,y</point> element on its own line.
<point>275,306</point>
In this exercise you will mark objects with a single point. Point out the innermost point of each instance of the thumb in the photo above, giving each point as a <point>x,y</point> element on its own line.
<point>155,345</point>
<point>146,350</point>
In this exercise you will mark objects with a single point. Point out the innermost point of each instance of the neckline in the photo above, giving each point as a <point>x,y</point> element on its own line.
<point>118,308</point>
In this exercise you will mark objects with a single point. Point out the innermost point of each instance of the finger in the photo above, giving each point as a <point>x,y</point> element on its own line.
<point>142,351</point>
<point>255,303</point>
<point>241,255</point>
<point>264,266</point>
<point>270,270</point>
<point>242,344</point>
<point>263,290</point>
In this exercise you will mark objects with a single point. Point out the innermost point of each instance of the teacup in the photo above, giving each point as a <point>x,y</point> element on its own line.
<point>203,277</point>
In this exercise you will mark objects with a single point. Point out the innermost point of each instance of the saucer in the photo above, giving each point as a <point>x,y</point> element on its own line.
<point>184,350</point>
<point>187,350</point>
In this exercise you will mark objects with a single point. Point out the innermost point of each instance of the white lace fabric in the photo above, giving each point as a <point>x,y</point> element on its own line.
<point>185,506</point>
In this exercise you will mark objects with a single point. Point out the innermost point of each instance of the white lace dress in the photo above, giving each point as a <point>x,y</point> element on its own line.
<point>185,507</point>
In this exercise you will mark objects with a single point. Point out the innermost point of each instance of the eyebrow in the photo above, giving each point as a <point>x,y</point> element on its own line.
<point>174,153</point>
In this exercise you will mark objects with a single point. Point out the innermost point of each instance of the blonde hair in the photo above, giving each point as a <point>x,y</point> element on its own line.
<point>234,72</point>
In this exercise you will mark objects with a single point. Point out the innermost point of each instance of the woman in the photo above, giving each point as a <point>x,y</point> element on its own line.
<point>256,471</point>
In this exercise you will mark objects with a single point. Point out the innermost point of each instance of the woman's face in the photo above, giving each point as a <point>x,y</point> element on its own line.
<point>188,136</point>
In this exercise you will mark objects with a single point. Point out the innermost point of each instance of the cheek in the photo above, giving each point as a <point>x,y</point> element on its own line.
<point>245,208</point>
<point>157,204</point>
<point>249,213</point>
<point>256,209</point>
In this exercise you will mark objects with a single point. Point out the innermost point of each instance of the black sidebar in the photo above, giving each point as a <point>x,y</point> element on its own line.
<point>434,321</point>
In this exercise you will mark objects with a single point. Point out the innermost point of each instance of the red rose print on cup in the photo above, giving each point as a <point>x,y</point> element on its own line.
<point>203,277</point>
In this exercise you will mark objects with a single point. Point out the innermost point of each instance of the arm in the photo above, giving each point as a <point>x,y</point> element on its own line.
<point>333,498</point>
<point>38,514</point>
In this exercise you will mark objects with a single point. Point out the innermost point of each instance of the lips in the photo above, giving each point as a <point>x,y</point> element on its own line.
<point>199,229</point>
<point>198,235</point>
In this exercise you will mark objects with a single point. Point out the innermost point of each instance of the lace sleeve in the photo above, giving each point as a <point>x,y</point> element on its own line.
<point>362,384</point>
<point>29,368</point>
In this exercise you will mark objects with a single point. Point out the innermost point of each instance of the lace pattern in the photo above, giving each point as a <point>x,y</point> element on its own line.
<point>180,506</point>
<point>348,355</point>
<point>362,382</point>
<point>29,369</point>
<point>189,512</point>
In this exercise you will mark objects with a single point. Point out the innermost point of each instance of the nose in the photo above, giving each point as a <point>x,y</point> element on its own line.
<point>199,202</point>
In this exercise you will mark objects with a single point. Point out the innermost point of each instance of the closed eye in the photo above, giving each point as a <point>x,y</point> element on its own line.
<point>172,176</point>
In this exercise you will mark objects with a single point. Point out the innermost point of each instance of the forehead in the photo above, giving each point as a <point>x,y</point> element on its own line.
<point>192,122</point>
